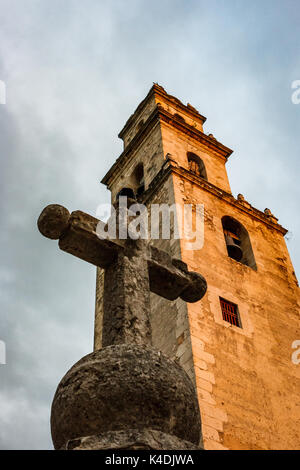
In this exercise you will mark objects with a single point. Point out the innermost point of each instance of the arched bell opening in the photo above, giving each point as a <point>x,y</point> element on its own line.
<point>238,242</point>
<point>196,165</point>
<point>126,192</point>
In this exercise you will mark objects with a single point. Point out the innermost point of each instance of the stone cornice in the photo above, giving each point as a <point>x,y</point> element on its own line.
<point>209,142</point>
<point>160,91</point>
<point>170,167</point>
<point>131,147</point>
<point>162,115</point>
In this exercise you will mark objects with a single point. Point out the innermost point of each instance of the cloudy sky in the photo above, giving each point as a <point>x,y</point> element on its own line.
<point>74,72</point>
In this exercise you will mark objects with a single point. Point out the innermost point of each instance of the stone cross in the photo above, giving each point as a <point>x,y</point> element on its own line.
<point>133,268</point>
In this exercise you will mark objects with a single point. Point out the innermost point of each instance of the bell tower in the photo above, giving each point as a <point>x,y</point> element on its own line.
<point>236,342</point>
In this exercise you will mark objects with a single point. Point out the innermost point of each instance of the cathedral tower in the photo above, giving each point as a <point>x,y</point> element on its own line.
<point>235,343</point>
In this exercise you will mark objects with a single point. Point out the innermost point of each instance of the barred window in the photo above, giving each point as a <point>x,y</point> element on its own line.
<point>230,312</point>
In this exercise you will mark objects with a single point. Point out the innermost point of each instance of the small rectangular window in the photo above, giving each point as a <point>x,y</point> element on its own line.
<point>230,312</point>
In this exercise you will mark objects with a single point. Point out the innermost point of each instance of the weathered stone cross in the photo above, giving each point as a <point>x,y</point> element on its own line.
<point>133,268</point>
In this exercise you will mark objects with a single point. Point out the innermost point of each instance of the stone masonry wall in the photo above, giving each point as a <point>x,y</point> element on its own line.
<point>178,144</point>
<point>248,387</point>
<point>149,152</point>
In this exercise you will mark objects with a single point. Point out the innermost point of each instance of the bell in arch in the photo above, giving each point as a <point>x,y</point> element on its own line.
<point>233,246</point>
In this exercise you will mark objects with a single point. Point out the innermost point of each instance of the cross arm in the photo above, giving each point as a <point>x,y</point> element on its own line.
<point>168,277</point>
<point>77,235</point>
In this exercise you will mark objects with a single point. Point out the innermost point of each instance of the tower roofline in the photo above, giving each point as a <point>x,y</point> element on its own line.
<point>162,115</point>
<point>158,90</point>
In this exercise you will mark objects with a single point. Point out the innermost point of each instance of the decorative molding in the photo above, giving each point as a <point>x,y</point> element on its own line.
<point>171,167</point>
<point>162,115</point>
<point>160,91</point>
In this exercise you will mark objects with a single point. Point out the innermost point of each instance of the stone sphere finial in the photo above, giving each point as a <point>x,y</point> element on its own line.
<point>125,387</point>
<point>52,222</point>
<point>267,211</point>
<point>212,136</point>
<point>240,197</point>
